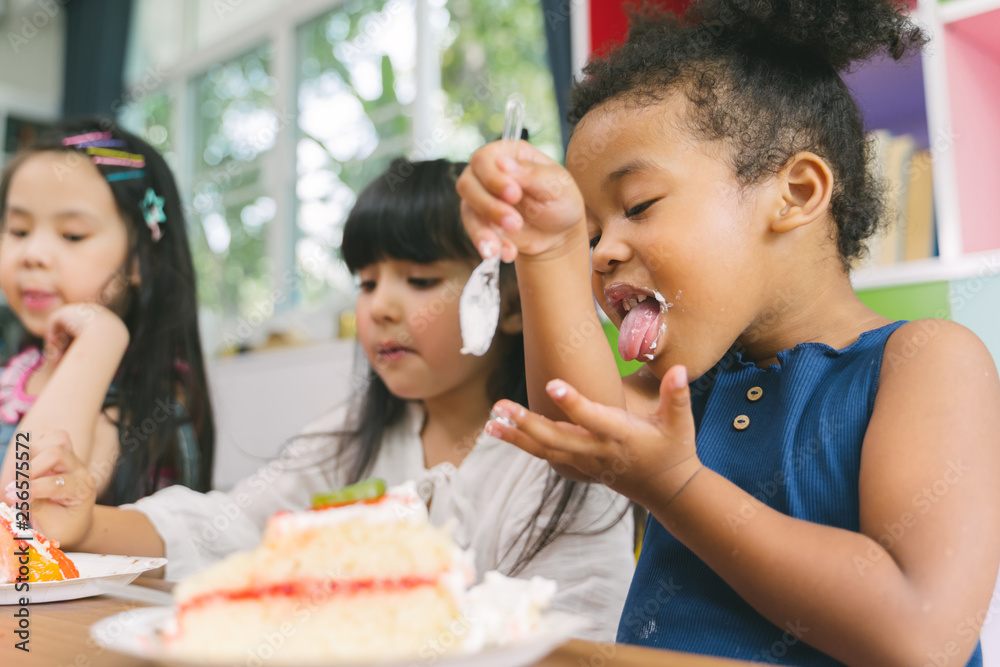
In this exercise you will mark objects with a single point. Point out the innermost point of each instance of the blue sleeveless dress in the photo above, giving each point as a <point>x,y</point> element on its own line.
<point>815,407</point>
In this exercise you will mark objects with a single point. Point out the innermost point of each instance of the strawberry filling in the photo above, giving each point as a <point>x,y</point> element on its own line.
<point>311,588</point>
<point>639,330</point>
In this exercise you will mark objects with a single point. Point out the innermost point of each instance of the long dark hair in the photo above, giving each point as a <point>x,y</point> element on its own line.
<point>164,413</point>
<point>411,212</point>
<point>764,77</point>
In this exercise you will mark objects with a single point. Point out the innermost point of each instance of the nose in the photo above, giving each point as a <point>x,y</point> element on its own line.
<point>386,306</point>
<point>611,249</point>
<point>36,251</point>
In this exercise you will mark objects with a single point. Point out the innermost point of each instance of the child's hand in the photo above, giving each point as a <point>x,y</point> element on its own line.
<point>645,458</point>
<point>62,491</point>
<point>532,199</point>
<point>70,321</point>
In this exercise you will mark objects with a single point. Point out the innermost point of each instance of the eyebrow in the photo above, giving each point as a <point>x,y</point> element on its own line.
<point>74,213</point>
<point>61,215</point>
<point>631,167</point>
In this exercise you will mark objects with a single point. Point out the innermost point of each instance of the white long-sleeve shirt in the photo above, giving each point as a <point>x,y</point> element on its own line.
<point>491,496</point>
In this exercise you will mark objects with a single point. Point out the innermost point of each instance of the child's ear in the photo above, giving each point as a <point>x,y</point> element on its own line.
<point>805,187</point>
<point>511,323</point>
<point>134,276</point>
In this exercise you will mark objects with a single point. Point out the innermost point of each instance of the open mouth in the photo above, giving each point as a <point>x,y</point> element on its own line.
<point>643,314</point>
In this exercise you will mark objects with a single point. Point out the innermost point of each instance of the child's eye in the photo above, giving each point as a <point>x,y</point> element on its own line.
<point>424,283</point>
<point>638,210</point>
<point>367,285</point>
<point>594,241</point>
<point>73,238</point>
<point>17,232</point>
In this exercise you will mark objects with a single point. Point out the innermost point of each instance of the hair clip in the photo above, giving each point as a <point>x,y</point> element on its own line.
<point>152,211</point>
<point>83,138</point>
<point>101,143</point>
<point>116,158</point>
<point>125,175</point>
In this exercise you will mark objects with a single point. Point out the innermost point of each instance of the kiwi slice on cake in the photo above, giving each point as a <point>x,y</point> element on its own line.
<point>369,489</point>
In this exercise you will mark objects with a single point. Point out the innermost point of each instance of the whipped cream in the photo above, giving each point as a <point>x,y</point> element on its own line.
<point>400,503</point>
<point>502,610</point>
<point>479,307</point>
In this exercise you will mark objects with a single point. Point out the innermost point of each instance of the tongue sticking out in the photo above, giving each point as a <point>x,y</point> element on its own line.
<point>639,330</point>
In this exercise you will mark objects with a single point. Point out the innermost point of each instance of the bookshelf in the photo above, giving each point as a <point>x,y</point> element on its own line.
<point>948,100</point>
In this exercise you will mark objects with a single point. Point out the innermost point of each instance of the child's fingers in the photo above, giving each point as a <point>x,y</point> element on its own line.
<point>481,210</point>
<point>527,153</point>
<point>64,489</point>
<point>675,397</point>
<point>601,420</point>
<point>508,250</point>
<point>490,191</point>
<point>556,436</point>
<point>51,442</point>
<point>527,443</point>
<point>52,461</point>
<point>483,235</point>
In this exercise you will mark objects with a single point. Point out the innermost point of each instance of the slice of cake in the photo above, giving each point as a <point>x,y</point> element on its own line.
<point>370,580</point>
<point>27,556</point>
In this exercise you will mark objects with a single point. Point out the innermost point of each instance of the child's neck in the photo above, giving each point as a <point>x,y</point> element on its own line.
<point>822,310</point>
<point>454,422</point>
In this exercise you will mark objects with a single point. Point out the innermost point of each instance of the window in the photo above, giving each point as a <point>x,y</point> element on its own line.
<point>234,128</point>
<point>275,118</point>
<point>357,69</point>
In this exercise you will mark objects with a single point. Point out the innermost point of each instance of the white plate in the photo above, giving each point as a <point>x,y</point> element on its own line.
<point>137,633</point>
<point>92,567</point>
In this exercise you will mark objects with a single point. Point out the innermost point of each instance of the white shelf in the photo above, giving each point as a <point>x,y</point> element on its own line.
<point>934,269</point>
<point>963,9</point>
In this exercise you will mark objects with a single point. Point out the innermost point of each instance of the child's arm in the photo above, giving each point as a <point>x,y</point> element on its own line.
<point>86,343</point>
<point>539,207</point>
<point>915,582</point>
<point>62,493</point>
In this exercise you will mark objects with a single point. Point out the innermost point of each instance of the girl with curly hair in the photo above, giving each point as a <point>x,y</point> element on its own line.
<point>821,480</point>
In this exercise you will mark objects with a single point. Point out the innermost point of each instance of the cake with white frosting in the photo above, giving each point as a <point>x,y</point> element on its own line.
<point>367,581</point>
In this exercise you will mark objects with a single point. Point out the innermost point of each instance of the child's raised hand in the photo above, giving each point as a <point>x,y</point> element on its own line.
<point>644,457</point>
<point>62,491</point>
<point>532,199</point>
<point>70,321</point>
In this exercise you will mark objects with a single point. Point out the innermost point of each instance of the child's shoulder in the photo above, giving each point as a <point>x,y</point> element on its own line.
<point>941,365</point>
<point>935,347</point>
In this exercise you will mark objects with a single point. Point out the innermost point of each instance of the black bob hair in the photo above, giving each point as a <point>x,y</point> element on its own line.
<point>764,76</point>
<point>411,212</point>
<point>165,418</point>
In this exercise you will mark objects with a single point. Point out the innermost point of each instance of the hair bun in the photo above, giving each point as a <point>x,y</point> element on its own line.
<point>839,32</point>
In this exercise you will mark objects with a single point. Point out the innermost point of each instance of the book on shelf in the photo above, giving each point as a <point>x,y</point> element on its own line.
<point>918,239</point>
<point>906,172</point>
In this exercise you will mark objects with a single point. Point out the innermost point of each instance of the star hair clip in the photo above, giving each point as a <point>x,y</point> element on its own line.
<point>152,211</point>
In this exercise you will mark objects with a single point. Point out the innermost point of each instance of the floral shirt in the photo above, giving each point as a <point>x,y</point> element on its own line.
<point>14,403</point>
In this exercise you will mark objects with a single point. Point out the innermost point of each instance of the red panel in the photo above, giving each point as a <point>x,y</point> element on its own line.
<point>608,25</point>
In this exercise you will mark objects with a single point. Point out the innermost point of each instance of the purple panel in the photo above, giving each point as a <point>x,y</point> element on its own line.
<point>891,96</point>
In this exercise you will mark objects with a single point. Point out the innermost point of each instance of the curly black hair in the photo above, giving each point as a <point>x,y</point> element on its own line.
<point>765,76</point>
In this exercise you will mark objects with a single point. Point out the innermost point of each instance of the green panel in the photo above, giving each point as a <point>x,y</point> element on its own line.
<point>909,302</point>
<point>624,367</point>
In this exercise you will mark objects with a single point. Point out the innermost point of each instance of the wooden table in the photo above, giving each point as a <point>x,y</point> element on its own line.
<point>59,638</point>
